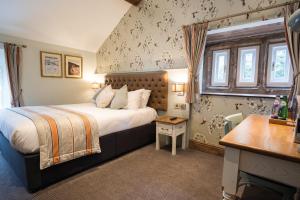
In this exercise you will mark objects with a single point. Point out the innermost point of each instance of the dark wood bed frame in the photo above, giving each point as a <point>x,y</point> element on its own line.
<point>26,166</point>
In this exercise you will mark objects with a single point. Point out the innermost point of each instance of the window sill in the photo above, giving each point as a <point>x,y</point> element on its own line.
<point>239,94</point>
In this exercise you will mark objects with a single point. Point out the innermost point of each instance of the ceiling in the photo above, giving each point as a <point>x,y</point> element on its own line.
<point>80,24</point>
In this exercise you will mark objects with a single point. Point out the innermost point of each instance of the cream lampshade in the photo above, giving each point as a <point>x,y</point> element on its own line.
<point>95,85</point>
<point>97,81</point>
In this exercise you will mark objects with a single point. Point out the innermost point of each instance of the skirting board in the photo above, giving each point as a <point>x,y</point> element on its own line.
<point>194,144</point>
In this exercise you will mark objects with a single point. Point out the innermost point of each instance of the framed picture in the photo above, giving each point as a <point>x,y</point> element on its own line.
<point>51,64</point>
<point>73,66</point>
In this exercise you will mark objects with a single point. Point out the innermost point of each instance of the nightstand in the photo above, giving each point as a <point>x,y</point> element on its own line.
<point>172,128</point>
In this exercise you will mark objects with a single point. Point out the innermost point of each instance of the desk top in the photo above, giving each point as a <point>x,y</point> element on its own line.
<point>255,134</point>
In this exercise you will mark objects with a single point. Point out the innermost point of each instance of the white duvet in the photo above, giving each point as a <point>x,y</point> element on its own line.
<point>21,131</point>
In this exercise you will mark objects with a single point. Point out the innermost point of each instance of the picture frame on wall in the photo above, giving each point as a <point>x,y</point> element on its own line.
<point>51,64</point>
<point>73,66</point>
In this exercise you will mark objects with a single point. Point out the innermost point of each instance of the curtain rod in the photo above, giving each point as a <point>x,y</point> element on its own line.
<point>249,12</point>
<point>19,45</point>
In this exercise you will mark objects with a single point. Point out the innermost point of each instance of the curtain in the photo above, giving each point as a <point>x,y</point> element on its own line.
<point>13,62</point>
<point>194,44</point>
<point>292,39</point>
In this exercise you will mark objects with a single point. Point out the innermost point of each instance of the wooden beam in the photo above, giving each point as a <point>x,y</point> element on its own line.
<point>134,2</point>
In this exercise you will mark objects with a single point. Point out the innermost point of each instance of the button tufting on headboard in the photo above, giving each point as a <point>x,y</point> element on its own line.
<point>157,82</point>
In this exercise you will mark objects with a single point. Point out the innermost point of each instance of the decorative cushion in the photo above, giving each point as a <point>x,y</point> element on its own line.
<point>120,99</point>
<point>145,98</point>
<point>97,93</point>
<point>134,99</point>
<point>105,97</point>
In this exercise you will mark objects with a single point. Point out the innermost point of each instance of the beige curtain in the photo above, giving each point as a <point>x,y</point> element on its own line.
<point>194,41</point>
<point>13,61</point>
<point>292,39</point>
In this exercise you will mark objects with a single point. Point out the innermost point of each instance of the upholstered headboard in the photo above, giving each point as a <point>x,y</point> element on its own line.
<point>157,82</point>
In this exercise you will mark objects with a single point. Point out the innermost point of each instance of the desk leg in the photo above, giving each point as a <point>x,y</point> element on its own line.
<point>157,141</point>
<point>174,145</point>
<point>227,196</point>
<point>230,173</point>
<point>183,143</point>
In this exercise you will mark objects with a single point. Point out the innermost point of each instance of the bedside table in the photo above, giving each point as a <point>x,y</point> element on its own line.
<point>172,128</point>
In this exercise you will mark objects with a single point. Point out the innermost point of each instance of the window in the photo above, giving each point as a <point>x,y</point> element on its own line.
<point>247,66</point>
<point>5,95</point>
<point>220,68</point>
<point>279,66</point>
<point>247,60</point>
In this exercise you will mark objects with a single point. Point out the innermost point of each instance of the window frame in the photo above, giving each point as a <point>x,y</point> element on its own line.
<point>239,83</point>
<point>269,66</point>
<point>226,69</point>
<point>261,89</point>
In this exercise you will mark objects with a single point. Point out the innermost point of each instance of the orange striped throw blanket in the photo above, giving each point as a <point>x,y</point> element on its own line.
<point>63,134</point>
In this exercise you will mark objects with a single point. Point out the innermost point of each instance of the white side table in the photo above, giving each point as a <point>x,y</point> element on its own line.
<point>172,128</point>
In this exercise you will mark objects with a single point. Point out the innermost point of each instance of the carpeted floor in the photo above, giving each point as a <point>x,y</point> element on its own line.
<point>144,174</point>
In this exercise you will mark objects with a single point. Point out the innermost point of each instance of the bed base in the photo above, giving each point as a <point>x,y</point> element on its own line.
<point>26,166</point>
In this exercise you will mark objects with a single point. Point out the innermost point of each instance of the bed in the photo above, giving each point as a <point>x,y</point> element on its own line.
<point>121,131</point>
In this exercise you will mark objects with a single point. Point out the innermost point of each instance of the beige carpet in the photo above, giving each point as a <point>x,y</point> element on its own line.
<point>143,174</point>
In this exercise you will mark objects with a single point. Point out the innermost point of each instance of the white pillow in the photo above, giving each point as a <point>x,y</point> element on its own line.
<point>97,93</point>
<point>134,99</point>
<point>145,98</point>
<point>120,99</point>
<point>105,97</point>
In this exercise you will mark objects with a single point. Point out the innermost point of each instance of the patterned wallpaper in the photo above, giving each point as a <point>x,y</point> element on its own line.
<point>149,37</point>
<point>208,114</point>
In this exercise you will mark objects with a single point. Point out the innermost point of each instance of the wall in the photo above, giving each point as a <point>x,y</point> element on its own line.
<point>149,37</point>
<point>181,76</point>
<point>39,90</point>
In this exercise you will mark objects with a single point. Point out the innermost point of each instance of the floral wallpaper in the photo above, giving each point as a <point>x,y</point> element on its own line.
<point>209,112</point>
<point>149,37</point>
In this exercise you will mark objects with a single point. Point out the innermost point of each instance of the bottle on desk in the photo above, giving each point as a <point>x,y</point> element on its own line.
<point>283,110</point>
<point>276,108</point>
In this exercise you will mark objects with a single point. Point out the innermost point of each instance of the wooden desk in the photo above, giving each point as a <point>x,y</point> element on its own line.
<point>262,149</point>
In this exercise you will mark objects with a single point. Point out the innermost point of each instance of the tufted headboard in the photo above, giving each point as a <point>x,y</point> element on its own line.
<point>157,82</point>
